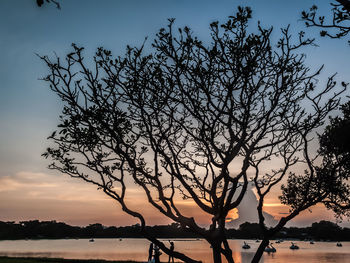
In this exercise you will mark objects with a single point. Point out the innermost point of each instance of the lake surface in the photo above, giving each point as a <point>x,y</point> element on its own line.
<point>137,249</point>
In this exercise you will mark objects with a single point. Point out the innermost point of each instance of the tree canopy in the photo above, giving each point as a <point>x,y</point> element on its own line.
<point>335,149</point>
<point>194,121</point>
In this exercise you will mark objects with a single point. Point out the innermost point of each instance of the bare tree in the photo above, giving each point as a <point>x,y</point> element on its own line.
<point>339,24</point>
<point>187,120</point>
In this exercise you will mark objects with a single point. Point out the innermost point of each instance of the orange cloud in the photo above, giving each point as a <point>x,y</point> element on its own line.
<point>232,215</point>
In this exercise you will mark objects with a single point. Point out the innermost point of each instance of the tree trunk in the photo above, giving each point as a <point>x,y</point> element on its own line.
<point>228,252</point>
<point>260,251</point>
<point>216,253</point>
<point>229,258</point>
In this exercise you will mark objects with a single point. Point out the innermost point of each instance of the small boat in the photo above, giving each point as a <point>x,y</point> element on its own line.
<point>270,249</point>
<point>294,246</point>
<point>339,244</point>
<point>91,240</point>
<point>245,246</point>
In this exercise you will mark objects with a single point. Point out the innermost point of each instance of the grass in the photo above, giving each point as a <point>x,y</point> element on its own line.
<point>56,260</point>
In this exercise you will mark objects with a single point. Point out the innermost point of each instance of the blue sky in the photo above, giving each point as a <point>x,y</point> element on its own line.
<point>29,110</point>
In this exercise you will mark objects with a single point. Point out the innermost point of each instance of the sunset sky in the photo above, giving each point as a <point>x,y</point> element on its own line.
<point>29,110</point>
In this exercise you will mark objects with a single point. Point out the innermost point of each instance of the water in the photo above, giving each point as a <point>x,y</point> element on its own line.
<point>137,249</point>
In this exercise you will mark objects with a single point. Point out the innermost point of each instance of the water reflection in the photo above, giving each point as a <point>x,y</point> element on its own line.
<point>137,249</point>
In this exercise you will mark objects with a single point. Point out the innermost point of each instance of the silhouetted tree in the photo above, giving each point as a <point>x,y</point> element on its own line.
<point>335,149</point>
<point>250,230</point>
<point>188,120</point>
<point>323,230</point>
<point>335,141</point>
<point>325,183</point>
<point>338,27</point>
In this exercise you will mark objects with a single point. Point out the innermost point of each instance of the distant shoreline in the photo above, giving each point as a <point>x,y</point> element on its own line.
<point>38,230</point>
<point>58,260</point>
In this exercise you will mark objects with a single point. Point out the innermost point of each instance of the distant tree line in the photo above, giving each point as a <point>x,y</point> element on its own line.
<point>321,231</point>
<point>35,229</point>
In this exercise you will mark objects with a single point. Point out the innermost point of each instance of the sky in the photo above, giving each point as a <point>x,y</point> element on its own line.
<point>29,110</point>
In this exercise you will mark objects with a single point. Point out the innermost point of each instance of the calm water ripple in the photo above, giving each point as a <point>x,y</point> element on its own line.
<point>137,249</point>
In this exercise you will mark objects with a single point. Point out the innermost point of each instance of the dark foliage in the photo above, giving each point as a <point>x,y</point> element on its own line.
<point>35,229</point>
<point>335,141</point>
<point>335,149</point>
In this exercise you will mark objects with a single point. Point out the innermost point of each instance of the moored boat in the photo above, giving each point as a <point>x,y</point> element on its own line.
<point>270,248</point>
<point>294,246</point>
<point>245,246</point>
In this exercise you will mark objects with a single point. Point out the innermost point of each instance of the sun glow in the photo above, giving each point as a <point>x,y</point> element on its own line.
<point>232,215</point>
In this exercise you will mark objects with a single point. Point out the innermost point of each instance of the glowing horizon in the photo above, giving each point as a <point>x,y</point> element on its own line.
<point>49,197</point>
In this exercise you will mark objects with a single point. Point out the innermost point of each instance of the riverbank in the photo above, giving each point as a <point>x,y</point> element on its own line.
<point>56,260</point>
